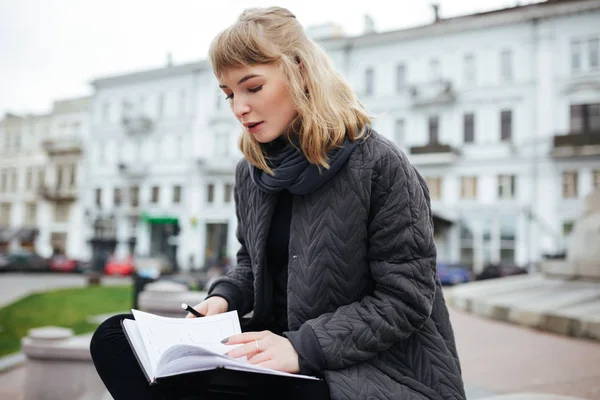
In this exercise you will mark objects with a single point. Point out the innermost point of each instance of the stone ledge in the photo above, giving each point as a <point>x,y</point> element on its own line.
<point>531,396</point>
<point>567,307</point>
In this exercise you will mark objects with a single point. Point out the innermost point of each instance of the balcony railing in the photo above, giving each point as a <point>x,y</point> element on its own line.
<point>62,146</point>
<point>432,93</point>
<point>577,144</point>
<point>434,153</point>
<point>133,171</point>
<point>58,193</point>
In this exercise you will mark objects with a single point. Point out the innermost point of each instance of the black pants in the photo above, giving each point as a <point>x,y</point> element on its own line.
<point>119,370</point>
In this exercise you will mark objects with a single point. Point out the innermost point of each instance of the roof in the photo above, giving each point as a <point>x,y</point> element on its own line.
<point>487,19</point>
<point>150,74</point>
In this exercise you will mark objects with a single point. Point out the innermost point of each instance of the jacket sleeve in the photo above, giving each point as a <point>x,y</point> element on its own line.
<point>237,286</point>
<point>402,262</point>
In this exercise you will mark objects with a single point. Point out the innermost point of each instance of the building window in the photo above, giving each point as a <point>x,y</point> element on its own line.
<point>400,77</point>
<point>399,132</point>
<point>59,176</point>
<point>176,194</point>
<point>17,140</point>
<point>567,227</point>
<point>99,198</point>
<point>14,180</point>
<point>182,102</point>
<point>155,194</point>
<point>31,214</point>
<point>228,192</point>
<point>435,70</point>
<point>507,240</point>
<point>106,112</point>
<point>434,126</point>
<point>468,187</point>
<point>210,193</point>
<point>575,56</point>
<point>160,105</point>
<point>505,125</point>
<point>469,70</point>
<point>29,179</point>
<point>434,184</point>
<point>134,196</point>
<point>593,51</point>
<point>61,212</point>
<point>596,179</point>
<point>5,211</point>
<point>569,184</point>
<point>506,66</point>
<point>117,197</point>
<point>73,175</point>
<point>585,118</point>
<point>506,187</point>
<point>369,81</point>
<point>41,178</point>
<point>3,180</point>
<point>466,244</point>
<point>469,127</point>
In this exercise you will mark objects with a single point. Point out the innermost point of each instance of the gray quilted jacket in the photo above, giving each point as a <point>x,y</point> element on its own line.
<point>361,276</point>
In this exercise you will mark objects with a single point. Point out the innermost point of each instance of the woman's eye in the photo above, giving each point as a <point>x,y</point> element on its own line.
<point>255,89</point>
<point>229,97</point>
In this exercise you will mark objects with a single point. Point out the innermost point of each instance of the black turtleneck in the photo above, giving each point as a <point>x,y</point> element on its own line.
<point>277,259</point>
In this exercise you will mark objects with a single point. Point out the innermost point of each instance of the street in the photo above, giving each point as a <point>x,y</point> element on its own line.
<point>496,358</point>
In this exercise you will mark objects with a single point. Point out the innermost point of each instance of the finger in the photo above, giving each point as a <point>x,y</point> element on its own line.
<point>247,350</point>
<point>260,357</point>
<point>268,364</point>
<point>245,337</point>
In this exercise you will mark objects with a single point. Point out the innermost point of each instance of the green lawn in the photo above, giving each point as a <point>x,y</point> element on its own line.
<point>67,308</point>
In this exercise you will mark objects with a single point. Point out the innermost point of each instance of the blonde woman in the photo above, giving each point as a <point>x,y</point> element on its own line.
<point>337,261</point>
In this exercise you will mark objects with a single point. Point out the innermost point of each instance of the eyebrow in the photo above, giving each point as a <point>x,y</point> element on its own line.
<point>244,79</point>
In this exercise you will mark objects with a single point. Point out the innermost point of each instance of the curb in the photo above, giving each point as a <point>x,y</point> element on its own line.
<point>11,361</point>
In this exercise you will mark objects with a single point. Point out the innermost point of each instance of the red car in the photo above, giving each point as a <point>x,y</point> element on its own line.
<point>123,267</point>
<point>63,264</point>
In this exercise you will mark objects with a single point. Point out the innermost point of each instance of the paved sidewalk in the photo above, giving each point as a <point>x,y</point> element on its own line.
<point>512,359</point>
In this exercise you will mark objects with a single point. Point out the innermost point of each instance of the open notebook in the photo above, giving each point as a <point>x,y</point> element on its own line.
<point>167,347</point>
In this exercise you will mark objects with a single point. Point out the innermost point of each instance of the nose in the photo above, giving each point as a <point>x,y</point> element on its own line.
<point>240,107</point>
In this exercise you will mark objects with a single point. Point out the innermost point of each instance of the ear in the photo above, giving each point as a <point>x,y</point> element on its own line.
<point>301,68</point>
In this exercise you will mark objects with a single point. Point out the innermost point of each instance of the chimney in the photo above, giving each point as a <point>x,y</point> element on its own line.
<point>436,11</point>
<point>169,60</point>
<point>369,24</point>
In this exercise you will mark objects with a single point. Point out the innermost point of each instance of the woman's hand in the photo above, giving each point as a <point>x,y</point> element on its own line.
<point>211,306</point>
<point>265,349</point>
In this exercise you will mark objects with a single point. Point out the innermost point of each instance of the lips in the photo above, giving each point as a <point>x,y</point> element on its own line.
<point>254,127</point>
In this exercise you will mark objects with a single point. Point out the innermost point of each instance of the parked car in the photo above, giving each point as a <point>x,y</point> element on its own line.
<point>453,274</point>
<point>62,263</point>
<point>493,271</point>
<point>4,262</point>
<point>116,266</point>
<point>27,261</point>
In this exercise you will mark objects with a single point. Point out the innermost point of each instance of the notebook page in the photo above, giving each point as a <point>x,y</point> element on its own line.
<point>136,341</point>
<point>160,333</point>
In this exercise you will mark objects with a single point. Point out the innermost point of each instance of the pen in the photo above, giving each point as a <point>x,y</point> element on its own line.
<point>191,310</point>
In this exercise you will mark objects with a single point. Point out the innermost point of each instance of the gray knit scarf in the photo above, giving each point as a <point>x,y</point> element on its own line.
<point>293,172</point>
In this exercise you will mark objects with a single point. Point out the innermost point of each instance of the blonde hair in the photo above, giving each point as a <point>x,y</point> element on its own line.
<point>328,109</point>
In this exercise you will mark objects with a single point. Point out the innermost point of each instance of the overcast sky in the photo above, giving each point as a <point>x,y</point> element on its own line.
<point>52,49</point>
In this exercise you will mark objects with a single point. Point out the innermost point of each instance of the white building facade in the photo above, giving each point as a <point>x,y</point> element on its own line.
<point>476,103</point>
<point>159,171</point>
<point>499,111</point>
<point>40,170</point>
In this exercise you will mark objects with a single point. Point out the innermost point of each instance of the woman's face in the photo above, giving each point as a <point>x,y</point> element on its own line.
<point>260,99</point>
